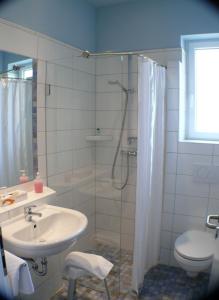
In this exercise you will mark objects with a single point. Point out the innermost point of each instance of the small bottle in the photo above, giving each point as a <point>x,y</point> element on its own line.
<point>97,131</point>
<point>38,184</point>
<point>23,177</point>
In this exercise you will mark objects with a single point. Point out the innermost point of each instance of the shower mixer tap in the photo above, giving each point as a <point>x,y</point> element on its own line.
<point>132,139</point>
<point>130,153</point>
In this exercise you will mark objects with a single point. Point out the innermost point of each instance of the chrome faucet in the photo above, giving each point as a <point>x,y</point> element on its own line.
<point>28,213</point>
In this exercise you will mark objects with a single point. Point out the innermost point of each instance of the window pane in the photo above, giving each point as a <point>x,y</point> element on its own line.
<point>207,90</point>
<point>28,73</point>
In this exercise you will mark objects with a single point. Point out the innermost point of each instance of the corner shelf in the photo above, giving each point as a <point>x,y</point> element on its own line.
<point>99,138</point>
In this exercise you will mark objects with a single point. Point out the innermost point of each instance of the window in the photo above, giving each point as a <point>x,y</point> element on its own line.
<point>202,90</point>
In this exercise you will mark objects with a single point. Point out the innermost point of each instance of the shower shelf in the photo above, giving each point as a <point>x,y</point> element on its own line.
<point>99,138</point>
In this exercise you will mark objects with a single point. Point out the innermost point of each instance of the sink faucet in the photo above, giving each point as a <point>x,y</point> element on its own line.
<point>28,213</point>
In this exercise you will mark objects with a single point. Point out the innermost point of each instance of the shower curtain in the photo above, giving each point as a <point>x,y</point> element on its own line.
<point>16,147</point>
<point>149,190</point>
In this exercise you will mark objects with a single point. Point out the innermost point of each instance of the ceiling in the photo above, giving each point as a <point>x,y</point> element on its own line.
<point>99,3</point>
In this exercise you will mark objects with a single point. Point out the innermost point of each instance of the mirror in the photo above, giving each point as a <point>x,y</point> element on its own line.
<point>18,119</point>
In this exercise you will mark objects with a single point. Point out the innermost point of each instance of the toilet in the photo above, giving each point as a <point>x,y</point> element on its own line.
<point>194,251</point>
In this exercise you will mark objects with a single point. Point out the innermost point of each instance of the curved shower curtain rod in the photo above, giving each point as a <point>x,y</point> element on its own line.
<point>14,68</point>
<point>87,54</point>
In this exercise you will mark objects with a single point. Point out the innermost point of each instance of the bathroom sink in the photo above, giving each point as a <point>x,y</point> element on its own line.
<point>53,232</point>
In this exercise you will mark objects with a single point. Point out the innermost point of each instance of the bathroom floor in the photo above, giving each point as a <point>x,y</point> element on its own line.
<point>119,279</point>
<point>160,283</point>
<point>170,283</point>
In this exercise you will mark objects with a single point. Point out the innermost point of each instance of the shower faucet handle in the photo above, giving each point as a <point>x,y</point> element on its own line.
<point>132,139</point>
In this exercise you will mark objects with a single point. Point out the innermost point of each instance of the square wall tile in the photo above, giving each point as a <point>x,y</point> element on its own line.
<point>164,256</point>
<point>109,65</point>
<point>168,203</point>
<point>104,189</point>
<point>172,120</point>
<point>213,206</point>
<point>172,99</point>
<point>128,210</point>
<point>108,223</point>
<point>186,186</point>
<point>171,141</point>
<point>108,207</point>
<point>108,101</point>
<point>186,162</point>
<point>129,193</point>
<point>167,220</point>
<point>192,206</point>
<point>184,223</point>
<point>214,191</point>
<point>127,242</point>
<point>170,163</point>
<point>169,183</point>
<point>54,51</point>
<point>108,119</point>
<point>173,78</point>
<point>128,226</point>
<point>195,148</point>
<point>165,239</point>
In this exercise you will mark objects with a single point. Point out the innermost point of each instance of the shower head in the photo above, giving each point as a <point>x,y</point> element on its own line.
<point>85,54</point>
<point>116,82</point>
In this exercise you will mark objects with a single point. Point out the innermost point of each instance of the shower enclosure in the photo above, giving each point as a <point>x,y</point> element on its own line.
<point>87,98</point>
<point>92,136</point>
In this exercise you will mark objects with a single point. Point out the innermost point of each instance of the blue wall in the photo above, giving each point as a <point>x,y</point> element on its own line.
<point>70,21</point>
<point>153,24</point>
<point>135,25</point>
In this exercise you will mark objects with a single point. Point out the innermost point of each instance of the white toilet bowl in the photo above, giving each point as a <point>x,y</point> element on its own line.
<point>194,251</point>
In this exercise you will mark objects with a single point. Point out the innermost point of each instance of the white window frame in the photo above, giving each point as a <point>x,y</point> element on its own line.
<point>190,132</point>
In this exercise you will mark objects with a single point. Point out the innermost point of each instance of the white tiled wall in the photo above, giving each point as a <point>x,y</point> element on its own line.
<point>70,117</point>
<point>65,118</point>
<point>115,210</point>
<point>186,202</point>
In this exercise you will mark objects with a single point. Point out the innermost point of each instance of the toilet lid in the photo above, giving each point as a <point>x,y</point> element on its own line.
<point>195,245</point>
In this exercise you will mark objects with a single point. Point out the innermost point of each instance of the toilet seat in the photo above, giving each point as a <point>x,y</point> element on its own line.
<point>195,245</point>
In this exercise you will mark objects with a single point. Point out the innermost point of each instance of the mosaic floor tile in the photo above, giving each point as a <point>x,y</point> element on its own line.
<point>119,279</point>
<point>160,283</point>
<point>171,283</point>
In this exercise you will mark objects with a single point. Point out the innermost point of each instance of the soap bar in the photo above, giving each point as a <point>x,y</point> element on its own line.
<point>7,202</point>
<point>17,195</point>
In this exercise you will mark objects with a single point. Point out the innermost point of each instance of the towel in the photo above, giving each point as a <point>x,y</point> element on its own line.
<point>91,263</point>
<point>18,274</point>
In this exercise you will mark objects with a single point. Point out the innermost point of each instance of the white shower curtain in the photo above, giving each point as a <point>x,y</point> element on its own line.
<point>149,191</point>
<point>16,147</point>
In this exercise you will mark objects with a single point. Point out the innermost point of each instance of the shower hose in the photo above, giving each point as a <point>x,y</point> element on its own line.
<point>117,150</point>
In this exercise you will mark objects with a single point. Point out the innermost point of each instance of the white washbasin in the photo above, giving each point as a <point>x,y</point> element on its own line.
<point>53,232</point>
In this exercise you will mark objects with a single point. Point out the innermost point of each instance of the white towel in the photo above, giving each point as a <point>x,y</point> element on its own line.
<point>18,274</point>
<point>93,264</point>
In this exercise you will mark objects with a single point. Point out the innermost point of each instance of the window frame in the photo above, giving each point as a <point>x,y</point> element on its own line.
<point>190,132</point>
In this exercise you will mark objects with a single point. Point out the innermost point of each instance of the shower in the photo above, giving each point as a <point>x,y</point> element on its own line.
<point>126,91</point>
